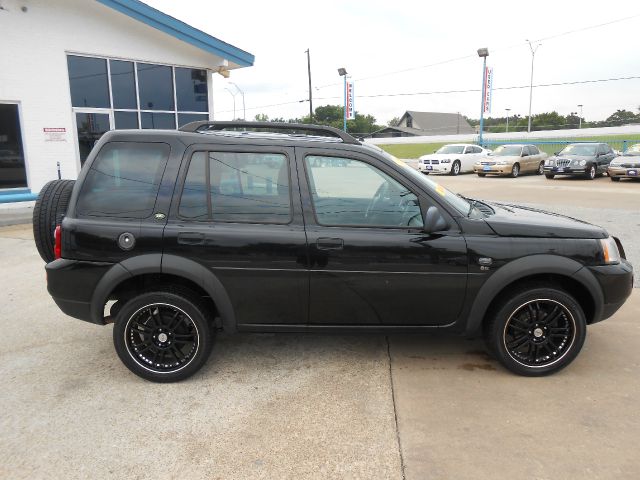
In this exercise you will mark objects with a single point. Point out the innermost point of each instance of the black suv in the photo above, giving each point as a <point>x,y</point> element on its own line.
<point>259,227</point>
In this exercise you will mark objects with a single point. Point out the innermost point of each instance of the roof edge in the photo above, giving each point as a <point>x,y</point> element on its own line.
<point>180,30</point>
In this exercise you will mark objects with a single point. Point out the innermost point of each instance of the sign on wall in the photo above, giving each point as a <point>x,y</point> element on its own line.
<point>351,113</point>
<point>57,134</point>
<point>488,89</point>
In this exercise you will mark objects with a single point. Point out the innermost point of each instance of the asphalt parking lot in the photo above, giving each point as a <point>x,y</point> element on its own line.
<point>302,406</point>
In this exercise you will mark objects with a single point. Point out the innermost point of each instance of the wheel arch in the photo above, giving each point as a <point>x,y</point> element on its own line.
<point>550,269</point>
<point>158,269</point>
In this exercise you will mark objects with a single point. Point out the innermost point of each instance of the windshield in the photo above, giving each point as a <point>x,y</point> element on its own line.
<point>457,202</point>
<point>452,149</point>
<point>579,150</point>
<point>633,150</point>
<point>504,150</point>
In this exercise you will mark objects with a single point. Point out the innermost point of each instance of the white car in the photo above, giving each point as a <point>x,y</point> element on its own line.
<point>452,159</point>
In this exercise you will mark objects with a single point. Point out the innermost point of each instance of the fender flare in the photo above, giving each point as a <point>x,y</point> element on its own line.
<point>169,264</point>
<point>526,267</point>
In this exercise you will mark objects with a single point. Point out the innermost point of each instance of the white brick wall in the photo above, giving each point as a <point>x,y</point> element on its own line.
<point>33,68</point>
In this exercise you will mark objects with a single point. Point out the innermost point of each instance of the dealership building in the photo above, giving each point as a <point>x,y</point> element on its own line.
<point>71,70</point>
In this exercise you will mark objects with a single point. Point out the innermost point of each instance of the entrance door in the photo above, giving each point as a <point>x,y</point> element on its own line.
<point>91,125</point>
<point>12,170</point>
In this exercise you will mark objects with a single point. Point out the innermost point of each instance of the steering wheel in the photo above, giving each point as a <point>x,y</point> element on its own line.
<point>376,200</point>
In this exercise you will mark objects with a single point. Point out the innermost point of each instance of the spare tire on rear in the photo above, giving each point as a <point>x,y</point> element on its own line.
<point>50,207</point>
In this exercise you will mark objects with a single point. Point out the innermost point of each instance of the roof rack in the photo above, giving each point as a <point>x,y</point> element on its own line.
<point>206,126</point>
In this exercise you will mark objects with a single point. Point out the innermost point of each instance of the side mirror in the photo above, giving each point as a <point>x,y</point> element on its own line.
<point>433,221</point>
<point>556,153</point>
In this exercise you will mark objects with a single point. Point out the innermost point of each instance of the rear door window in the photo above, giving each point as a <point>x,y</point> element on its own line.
<point>123,181</point>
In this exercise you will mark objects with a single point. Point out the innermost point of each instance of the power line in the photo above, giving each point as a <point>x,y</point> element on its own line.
<point>447,92</point>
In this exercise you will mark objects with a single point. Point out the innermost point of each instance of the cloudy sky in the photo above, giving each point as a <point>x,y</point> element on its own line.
<point>407,47</point>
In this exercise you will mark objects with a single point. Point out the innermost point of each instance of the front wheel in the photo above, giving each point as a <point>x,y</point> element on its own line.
<point>482,174</point>
<point>537,331</point>
<point>515,170</point>
<point>550,176</point>
<point>540,170</point>
<point>455,168</point>
<point>591,172</point>
<point>163,336</point>
<point>615,179</point>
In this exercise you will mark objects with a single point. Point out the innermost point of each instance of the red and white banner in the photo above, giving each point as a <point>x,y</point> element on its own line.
<point>348,96</point>
<point>488,89</point>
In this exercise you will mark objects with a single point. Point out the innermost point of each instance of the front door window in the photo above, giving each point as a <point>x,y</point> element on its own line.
<point>12,170</point>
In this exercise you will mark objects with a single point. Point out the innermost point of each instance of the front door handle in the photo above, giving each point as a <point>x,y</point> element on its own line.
<point>191,238</point>
<point>325,243</point>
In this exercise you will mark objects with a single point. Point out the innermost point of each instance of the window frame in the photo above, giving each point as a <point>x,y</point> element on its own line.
<point>422,201</point>
<point>207,149</point>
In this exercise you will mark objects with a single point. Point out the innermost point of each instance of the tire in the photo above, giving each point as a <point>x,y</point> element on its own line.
<point>540,170</point>
<point>519,337</point>
<point>426,173</point>
<point>455,168</point>
<point>163,336</point>
<point>591,173</point>
<point>615,179</point>
<point>482,174</point>
<point>550,176</point>
<point>515,170</point>
<point>50,208</point>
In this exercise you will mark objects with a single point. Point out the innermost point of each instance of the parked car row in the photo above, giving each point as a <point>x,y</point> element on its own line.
<point>587,160</point>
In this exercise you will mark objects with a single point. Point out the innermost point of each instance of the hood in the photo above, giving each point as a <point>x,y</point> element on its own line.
<point>519,221</point>
<point>440,156</point>
<point>574,157</point>
<point>503,158</point>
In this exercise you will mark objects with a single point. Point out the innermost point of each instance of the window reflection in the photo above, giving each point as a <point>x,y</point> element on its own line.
<point>12,171</point>
<point>88,81</point>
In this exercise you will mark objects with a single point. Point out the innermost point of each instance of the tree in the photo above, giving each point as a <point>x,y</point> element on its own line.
<point>394,122</point>
<point>620,117</point>
<point>261,117</point>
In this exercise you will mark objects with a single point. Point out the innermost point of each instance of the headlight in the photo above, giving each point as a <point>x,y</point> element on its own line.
<point>610,252</point>
<point>615,164</point>
<point>582,163</point>
<point>501,162</point>
<point>550,162</point>
<point>446,160</point>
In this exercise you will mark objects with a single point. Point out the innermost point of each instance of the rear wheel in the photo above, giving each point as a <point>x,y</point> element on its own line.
<point>550,176</point>
<point>163,336</point>
<point>515,170</point>
<point>50,208</point>
<point>455,168</point>
<point>536,331</point>
<point>591,172</point>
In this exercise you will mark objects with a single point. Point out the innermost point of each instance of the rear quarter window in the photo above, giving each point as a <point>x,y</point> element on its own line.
<point>123,180</point>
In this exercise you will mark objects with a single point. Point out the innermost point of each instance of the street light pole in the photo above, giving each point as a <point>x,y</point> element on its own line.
<point>533,56</point>
<point>343,73</point>
<point>580,124</point>
<point>233,95</point>
<point>508,110</point>
<point>310,96</point>
<point>483,53</point>
<point>244,108</point>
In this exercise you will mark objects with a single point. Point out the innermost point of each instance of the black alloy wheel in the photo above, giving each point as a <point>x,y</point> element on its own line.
<point>591,172</point>
<point>163,336</point>
<point>455,168</point>
<point>537,332</point>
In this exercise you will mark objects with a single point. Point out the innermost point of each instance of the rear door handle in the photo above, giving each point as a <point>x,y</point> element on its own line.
<point>191,238</point>
<point>325,243</point>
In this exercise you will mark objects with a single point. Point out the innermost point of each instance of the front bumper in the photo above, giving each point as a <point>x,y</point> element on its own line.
<point>623,172</point>
<point>616,282</point>
<point>570,170</point>
<point>493,169</point>
<point>440,168</point>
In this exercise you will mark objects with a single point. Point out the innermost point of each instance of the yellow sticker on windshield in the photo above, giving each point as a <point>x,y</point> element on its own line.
<point>441,190</point>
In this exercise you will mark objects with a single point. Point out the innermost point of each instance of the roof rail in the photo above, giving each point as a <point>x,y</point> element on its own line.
<point>207,126</point>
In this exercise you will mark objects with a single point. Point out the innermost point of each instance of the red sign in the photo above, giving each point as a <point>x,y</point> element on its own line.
<point>351,113</point>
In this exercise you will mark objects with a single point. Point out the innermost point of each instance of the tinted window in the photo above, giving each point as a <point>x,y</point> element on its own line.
<point>158,120</point>
<point>351,192</point>
<point>125,120</point>
<point>242,187</point>
<point>155,87</point>
<point>88,82</point>
<point>123,84</point>
<point>533,150</point>
<point>123,180</point>
<point>184,118</point>
<point>191,89</point>
<point>12,171</point>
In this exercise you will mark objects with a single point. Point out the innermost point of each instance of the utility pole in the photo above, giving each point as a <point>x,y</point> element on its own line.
<point>234,102</point>
<point>458,127</point>
<point>244,108</point>
<point>310,96</point>
<point>508,110</point>
<point>533,56</point>
<point>580,124</point>
<point>483,53</point>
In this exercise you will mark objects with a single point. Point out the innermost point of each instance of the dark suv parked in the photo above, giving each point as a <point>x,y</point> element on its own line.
<point>587,160</point>
<point>172,235</point>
